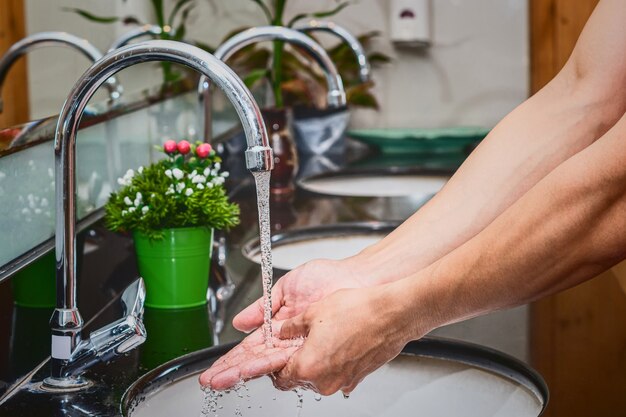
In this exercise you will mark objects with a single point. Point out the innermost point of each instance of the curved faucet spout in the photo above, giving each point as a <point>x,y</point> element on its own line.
<point>42,39</point>
<point>65,322</point>
<point>347,37</point>
<point>336,92</point>
<point>146,30</point>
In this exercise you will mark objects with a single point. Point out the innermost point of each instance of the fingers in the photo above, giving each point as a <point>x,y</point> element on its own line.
<point>257,364</point>
<point>251,317</point>
<point>296,327</point>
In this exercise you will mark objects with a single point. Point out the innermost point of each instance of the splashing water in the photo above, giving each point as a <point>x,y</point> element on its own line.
<point>262,180</point>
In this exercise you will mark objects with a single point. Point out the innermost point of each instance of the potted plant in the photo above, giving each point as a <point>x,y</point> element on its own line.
<point>171,207</point>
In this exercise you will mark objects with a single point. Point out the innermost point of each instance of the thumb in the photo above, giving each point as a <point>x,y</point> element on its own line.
<point>251,317</point>
<point>295,327</point>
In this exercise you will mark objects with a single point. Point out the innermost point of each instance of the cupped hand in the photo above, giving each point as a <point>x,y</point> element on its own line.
<point>295,291</point>
<point>349,334</point>
<point>250,359</point>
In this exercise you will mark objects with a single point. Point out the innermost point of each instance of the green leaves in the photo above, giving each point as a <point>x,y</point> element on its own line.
<point>179,191</point>
<point>92,17</point>
<point>265,9</point>
<point>318,15</point>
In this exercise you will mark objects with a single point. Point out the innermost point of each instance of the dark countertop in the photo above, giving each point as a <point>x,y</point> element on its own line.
<point>109,266</point>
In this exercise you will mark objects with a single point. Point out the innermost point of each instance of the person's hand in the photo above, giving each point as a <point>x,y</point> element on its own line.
<point>304,285</point>
<point>349,334</point>
<point>249,359</point>
<point>291,295</point>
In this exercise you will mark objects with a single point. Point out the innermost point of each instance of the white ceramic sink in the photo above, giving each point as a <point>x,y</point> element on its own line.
<point>296,247</point>
<point>411,385</point>
<point>420,186</point>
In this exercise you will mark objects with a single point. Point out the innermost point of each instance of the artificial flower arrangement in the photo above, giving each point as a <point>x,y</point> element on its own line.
<point>185,189</point>
<point>172,207</point>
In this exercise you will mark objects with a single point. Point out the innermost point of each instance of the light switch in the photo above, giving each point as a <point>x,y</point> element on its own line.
<point>410,22</point>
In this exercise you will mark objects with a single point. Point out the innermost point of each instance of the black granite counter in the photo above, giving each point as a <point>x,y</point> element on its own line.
<point>108,266</point>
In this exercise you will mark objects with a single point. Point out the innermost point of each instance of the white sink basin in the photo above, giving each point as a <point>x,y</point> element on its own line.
<point>451,380</point>
<point>295,247</point>
<point>383,184</point>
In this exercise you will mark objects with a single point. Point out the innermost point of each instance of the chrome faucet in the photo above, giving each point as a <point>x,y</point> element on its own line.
<point>40,39</point>
<point>146,30</point>
<point>70,355</point>
<point>336,93</point>
<point>347,37</point>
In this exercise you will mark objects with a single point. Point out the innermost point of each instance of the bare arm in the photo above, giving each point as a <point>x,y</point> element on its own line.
<point>570,227</point>
<point>565,117</point>
<point>566,229</point>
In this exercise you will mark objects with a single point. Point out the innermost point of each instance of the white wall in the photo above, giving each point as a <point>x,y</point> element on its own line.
<point>475,72</point>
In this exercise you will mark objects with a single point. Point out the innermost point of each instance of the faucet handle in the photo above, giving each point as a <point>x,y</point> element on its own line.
<point>133,299</point>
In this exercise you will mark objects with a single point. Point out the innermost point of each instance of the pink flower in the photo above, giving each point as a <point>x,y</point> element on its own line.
<point>203,150</point>
<point>169,146</point>
<point>184,147</point>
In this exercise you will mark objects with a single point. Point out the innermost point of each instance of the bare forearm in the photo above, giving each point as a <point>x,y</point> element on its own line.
<point>568,115</point>
<point>568,228</point>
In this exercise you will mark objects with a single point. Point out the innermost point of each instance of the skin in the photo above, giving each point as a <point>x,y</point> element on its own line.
<point>541,197</point>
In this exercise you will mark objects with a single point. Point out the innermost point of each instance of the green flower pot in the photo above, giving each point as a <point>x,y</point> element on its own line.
<point>35,285</point>
<point>175,269</point>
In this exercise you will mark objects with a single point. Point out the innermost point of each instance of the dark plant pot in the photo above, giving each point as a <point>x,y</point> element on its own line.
<point>175,269</point>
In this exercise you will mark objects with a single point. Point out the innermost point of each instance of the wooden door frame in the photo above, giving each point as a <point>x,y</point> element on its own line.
<point>15,88</point>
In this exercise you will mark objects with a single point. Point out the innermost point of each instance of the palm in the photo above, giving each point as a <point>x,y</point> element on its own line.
<point>294,292</point>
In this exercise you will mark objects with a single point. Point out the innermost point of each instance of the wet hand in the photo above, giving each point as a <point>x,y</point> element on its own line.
<point>249,359</point>
<point>295,291</point>
<point>349,334</point>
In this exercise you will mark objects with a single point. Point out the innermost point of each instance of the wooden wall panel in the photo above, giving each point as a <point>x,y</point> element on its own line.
<point>15,89</point>
<point>577,337</point>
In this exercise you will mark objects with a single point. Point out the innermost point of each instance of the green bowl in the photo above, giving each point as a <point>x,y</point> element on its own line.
<point>426,141</point>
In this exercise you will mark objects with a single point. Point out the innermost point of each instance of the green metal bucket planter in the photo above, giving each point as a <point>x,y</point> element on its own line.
<point>175,269</point>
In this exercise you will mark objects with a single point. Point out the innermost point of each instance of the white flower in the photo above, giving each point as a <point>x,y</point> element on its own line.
<point>178,174</point>
<point>225,174</point>
<point>188,191</point>
<point>131,209</point>
<point>168,173</point>
<point>127,201</point>
<point>124,212</point>
<point>153,195</point>
<point>140,169</point>
<point>200,186</point>
<point>218,180</point>
<point>138,199</point>
<point>209,185</point>
<point>198,179</point>
<point>193,173</point>
<point>217,166</point>
<point>180,187</point>
<point>207,172</point>
<point>145,209</point>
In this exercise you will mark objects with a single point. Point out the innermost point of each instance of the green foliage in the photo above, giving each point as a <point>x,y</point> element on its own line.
<point>178,191</point>
<point>294,80</point>
<point>174,27</point>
